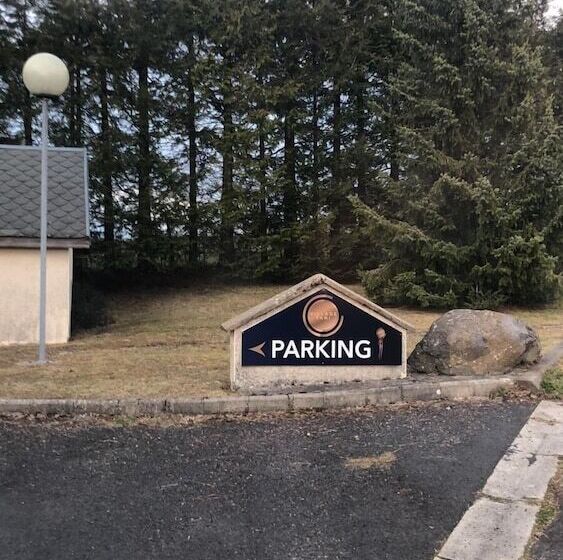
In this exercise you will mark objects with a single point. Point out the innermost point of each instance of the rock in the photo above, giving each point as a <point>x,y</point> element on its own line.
<point>469,342</point>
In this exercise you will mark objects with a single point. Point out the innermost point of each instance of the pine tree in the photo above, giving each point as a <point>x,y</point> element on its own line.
<point>18,32</point>
<point>231,134</point>
<point>470,219</point>
<point>147,40</point>
<point>187,106</point>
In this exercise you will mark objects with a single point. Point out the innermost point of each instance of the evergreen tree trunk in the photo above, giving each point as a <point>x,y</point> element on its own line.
<point>394,171</point>
<point>263,227</point>
<point>361,155</point>
<point>290,186</point>
<point>394,165</point>
<point>336,194</point>
<point>74,113</point>
<point>27,109</point>
<point>227,194</point>
<point>316,171</point>
<point>71,113</point>
<point>144,160</point>
<point>316,157</point>
<point>262,167</point>
<point>27,117</point>
<point>337,137</point>
<point>106,170</point>
<point>75,109</point>
<point>193,214</point>
<point>78,107</point>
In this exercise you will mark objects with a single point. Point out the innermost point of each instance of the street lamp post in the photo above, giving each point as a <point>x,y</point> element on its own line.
<point>45,76</point>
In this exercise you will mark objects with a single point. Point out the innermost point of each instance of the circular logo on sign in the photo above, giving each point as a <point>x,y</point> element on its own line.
<point>321,316</point>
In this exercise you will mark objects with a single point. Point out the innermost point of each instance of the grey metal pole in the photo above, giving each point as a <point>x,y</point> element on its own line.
<point>43,233</point>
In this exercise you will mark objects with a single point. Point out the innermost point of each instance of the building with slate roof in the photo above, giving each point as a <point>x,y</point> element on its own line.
<point>68,229</point>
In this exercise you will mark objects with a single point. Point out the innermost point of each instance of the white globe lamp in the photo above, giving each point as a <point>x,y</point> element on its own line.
<point>45,75</point>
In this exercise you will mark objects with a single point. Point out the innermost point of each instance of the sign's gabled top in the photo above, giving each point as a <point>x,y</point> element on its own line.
<point>299,291</point>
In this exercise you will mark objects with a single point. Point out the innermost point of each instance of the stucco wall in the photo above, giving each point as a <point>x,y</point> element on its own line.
<point>19,295</point>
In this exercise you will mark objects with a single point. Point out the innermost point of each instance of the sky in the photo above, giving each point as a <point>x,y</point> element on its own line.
<point>554,7</point>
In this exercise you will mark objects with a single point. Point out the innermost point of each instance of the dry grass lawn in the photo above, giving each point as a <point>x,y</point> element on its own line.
<point>170,344</point>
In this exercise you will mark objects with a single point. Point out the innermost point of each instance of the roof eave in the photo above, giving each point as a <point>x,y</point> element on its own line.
<point>52,243</point>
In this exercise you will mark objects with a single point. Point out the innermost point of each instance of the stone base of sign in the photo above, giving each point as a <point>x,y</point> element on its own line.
<point>252,380</point>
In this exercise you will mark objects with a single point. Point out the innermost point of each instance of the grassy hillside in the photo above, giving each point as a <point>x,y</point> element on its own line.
<point>171,344</point>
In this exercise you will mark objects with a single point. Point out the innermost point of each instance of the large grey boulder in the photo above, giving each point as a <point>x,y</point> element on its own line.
<point>469,342</point>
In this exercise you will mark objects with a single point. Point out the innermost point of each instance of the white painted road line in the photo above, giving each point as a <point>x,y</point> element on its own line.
<point>500,522</point>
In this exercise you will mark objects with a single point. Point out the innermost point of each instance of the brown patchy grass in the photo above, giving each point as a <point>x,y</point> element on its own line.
<point>383,462</point>
<point>170,344</point>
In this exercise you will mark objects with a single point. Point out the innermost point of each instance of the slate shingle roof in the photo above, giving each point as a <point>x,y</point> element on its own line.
<point>20,187</point>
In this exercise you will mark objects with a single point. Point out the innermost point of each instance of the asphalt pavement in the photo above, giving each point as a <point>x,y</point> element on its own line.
<point>384,484</point>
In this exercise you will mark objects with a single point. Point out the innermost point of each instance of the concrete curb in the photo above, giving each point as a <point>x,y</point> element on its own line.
<point>400,390</point>
<point>421,388</point>
<point>534,374</point>
<point>500,522</point>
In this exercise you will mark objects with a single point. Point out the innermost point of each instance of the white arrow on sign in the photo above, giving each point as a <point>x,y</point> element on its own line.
<point>259,349</point>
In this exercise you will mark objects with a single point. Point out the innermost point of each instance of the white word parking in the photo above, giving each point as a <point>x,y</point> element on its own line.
<point>316,349</point>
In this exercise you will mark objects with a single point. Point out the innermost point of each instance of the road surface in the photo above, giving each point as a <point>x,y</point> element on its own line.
<point>386,484</point>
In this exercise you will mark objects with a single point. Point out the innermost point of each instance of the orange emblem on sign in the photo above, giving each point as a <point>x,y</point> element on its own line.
<point>321,316</point>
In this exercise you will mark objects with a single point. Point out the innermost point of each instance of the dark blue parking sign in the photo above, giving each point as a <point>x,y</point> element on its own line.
<point>321,329</point>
